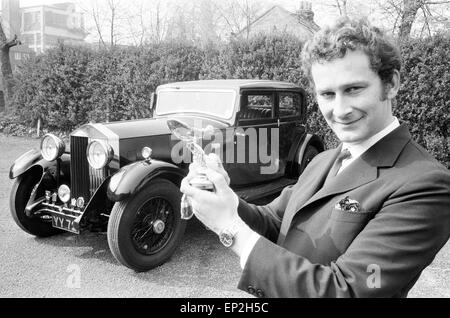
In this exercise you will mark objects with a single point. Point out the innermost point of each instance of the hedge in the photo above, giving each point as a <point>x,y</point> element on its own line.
<point>69,86</point>
<point>424,98</point>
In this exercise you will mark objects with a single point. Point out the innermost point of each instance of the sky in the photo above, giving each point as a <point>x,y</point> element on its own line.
<point>290,5</point>
<point>324,12</point>
<point>321,18</point>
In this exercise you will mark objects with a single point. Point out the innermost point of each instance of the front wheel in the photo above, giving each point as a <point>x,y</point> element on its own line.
<point>144,230</point>
<point>20,194</point>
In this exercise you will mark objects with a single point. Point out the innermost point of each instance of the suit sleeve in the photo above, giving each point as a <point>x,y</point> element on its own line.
<point>266,220</point>
<point>385,259</point>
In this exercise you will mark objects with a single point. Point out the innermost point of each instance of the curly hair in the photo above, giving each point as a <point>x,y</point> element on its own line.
<point>349,34</point>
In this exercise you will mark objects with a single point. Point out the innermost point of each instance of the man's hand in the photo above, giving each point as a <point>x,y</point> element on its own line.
<point>213,162</point>
<point>217,209</point>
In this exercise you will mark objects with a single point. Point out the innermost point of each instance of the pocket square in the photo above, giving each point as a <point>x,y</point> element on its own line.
<point>348,205</point>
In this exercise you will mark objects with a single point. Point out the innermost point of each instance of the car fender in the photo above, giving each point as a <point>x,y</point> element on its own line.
<point>298,150</point>
<point>302,148</point>
<point>132,178</point>
<point>31,159</point>
<point>310,139</point>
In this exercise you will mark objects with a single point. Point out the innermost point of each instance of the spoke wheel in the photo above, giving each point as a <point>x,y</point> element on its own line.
<point>154,226</point>
<point>145,229</point>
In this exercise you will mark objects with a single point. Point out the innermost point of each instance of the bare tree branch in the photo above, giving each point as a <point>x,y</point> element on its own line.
<point>97,25</point>
<point>437,2</point>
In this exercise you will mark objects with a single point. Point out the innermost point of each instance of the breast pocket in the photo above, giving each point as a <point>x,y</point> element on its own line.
<point>345,226</point>
<point>350,217</point>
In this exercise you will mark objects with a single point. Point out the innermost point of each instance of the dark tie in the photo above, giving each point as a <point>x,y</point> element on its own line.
<point>344,154</point>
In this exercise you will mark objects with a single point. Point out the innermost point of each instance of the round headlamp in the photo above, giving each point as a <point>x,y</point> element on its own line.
<point>99,154</point>
<point>64,193</point>
<point>52,147</point>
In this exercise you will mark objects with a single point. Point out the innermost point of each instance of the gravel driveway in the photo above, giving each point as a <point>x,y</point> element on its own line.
<point>82,266</point>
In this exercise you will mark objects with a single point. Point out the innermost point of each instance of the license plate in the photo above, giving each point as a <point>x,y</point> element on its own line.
<point>64,223</point>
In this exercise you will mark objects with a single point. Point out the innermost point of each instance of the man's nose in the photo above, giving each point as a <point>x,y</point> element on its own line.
<point>341,107</point>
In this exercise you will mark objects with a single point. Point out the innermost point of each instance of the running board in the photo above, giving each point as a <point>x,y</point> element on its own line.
<point>256,192</point>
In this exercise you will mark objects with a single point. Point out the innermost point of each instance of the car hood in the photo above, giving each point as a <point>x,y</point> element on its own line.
<point>127,138</point>
<point>142,127</point>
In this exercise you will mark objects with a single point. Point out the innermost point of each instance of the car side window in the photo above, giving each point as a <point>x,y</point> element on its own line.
<point>256,106</point>
<point>290,104</point>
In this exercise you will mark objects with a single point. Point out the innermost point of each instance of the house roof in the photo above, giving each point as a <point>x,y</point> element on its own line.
<point>311,25</point>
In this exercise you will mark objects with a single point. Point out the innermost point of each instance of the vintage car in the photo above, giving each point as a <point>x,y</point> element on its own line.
<point>123,177</point>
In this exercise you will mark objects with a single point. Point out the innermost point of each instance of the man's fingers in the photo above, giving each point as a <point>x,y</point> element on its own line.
<point>212,160</point>
<point>193,192</point>
<point>187,189</point>
<point>219,180</point>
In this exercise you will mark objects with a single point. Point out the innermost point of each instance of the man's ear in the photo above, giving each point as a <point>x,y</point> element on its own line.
<point>393,87</point>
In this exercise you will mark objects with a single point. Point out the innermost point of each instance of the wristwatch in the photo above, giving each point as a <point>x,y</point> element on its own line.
<point>227,235</point>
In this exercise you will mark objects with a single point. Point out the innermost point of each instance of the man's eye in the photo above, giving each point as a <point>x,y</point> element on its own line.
<point>327,95</point>
<point>354,90</point>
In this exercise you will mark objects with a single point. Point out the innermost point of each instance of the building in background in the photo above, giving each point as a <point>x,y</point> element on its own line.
<point>279,20</point>
<point>11,22</point>
<point>41,27</point>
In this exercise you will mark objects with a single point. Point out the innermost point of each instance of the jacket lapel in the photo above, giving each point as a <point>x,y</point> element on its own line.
<point>346,180</point>
<point>363,170</point>
<point>314,177</point>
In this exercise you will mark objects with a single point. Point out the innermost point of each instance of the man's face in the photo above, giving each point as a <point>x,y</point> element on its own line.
<point>351,97</point>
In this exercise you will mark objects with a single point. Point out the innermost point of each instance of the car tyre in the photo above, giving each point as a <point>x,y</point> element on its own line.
<point>145,229</point>
<point>20,194</point>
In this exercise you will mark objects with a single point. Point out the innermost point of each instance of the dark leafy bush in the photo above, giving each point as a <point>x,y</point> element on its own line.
<point>69,86</point>
<point>424,98</point>
<point>12,125</point>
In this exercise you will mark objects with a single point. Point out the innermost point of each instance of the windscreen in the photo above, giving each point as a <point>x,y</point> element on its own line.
<point>218,103</point>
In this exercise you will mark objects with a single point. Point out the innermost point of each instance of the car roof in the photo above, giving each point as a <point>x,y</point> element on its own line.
<point>235,84</point>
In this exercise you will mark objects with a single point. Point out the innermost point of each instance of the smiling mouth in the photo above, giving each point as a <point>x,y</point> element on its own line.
<point>347,123</point>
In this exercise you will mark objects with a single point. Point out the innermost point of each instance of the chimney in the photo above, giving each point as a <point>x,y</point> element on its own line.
<point>305,12</point>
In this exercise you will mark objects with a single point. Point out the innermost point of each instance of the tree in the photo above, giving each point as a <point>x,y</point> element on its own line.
<point>406,15</point>
<point>410,8</point>
<point>6,69</point>
<point>108,17</point>
<point>342,7</point>
<point>237,15</point>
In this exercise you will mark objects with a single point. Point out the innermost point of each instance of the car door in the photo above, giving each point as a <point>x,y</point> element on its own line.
<point>288,109</point>
<point>255,140</point>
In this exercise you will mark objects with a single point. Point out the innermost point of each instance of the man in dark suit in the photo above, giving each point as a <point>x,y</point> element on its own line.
<point>364,219</point>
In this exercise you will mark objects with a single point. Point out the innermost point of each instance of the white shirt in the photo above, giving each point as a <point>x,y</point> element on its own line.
<point>356,150</point>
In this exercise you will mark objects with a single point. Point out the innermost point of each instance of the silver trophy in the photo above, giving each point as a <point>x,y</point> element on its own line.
<point>189,136</point>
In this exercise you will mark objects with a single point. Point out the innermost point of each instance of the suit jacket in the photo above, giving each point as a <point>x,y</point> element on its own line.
<point>312,248</point>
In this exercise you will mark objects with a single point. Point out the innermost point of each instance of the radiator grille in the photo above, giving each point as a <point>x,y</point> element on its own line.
<point>96,178</point>
<point>84,179</point>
